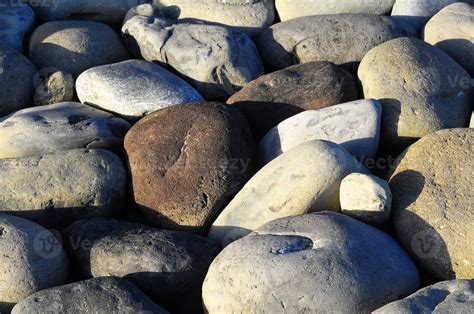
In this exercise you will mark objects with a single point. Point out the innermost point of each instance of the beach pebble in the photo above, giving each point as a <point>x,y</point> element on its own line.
<point>54,88</point>
<point>16,19</point>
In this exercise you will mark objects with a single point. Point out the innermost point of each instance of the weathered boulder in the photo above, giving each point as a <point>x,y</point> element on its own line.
<point>53,88</point>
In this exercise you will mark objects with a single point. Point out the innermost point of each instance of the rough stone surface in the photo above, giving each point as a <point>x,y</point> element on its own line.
<point>133,88</point>
<point>16,19</point>
<point>455,296</point>
<point>274,97</point>
<point>420,88</point>
<point>248,16</point>
<point>305,179</point>
<point>321,262</point>
<point>54,128</point>
<point>432,202</point>
<point>216,60</point>
<point>366,198</point>
<point>417,13</point>
<point>54,88</point>
<point>169,266</point>
<point>339,38</point>
<point>98,295</point>
<point>16,80</point>
<point>452,30</point>
<point>354,125</point>
<point>31,260</point>
<point>290,9</point>
<point>57,189</point>
<point>75,46</point>
<point>146,9</point>
<point>107,11</point>
<point>187,162</point>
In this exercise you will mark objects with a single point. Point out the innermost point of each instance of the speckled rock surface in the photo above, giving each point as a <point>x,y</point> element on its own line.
<point>354,125</point>
<point>321,262</point>
<point>54,88</point>
<point>16,18</point>
<point>366,198</point>
<point>60,188</point>
<point>419,88</point>
<point>305,179</point>
<point>59,127</point>
<point>452,30</point>
<point>455,296</point>
<point>98,295</point>
<point>338,38</point>
<point>146,9</point>
<point>75,46</point>
<point>133,88</point>
<point>432,202</point>
<point>107,11</point>
<point>274,97</point>
<point>248,16</point>
<point>31,260</point>
<point>169,266</point>
<point>290,9</point>
<point>16,80</point>
<point>187,162</point>
<point>216,60</point>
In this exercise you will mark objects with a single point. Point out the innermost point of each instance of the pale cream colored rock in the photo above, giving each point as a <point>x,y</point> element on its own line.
<point>366,198</point>
<point>305,179</point>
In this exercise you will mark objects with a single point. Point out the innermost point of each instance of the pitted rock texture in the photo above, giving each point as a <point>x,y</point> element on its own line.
<point>54,88</point>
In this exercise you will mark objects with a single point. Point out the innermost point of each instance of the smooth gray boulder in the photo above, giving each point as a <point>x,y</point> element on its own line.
<point>16,80</point>
<point>452,30</point>
<point>75,46</point>
<point>169,266</point>
<point>343,39</point>
<point>250,17</point>
<point>290,9</point>
<point>97,295</point>
<point>16,19</point>
<point>354,125</point>
<point>453,297</point>
<point>57,189</point>
<point>315,263</point>
<point>417,13</point>
<point>133,88</point>
<point>59,127</point>
<point>305,179</point>
<point>32,259</point>
<point>420,88</point>
<point>106,11</point>
<point>54,87</point>
<point>218,61</point>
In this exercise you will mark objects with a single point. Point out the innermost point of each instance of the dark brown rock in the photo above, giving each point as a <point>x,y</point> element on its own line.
<point>187,161</point>
<point>277,96</point>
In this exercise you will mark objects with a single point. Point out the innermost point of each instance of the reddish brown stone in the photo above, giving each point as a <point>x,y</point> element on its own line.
<point>187,161</point>
<point>277,96</point>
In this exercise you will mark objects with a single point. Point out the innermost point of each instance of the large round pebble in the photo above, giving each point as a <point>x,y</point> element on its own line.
<point>16,19</point>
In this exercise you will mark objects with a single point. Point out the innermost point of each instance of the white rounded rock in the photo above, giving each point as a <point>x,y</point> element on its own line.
<point>354,125</point>
<point>305,179</point>
<point>133,88</point>
<point>366,198</point>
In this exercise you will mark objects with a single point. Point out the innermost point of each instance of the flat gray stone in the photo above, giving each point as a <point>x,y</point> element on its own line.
<point>58,189</point>
<point>16,80</point>
<point>106,11</point>
<point>420,88</point>
<point>315,263</point>
<point>75,46</point>
<point>290,9</point>
<point>133,88</point>
<point>97,295</point>
<point>453,297</point>
<point>32,259</point>
<point>305,179</point>
<point>354,125</point>
<point>16,19</point>
<point>55,128</point>
<point>218,61</point>
<point>452,30</point>
<point>338,38</point>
